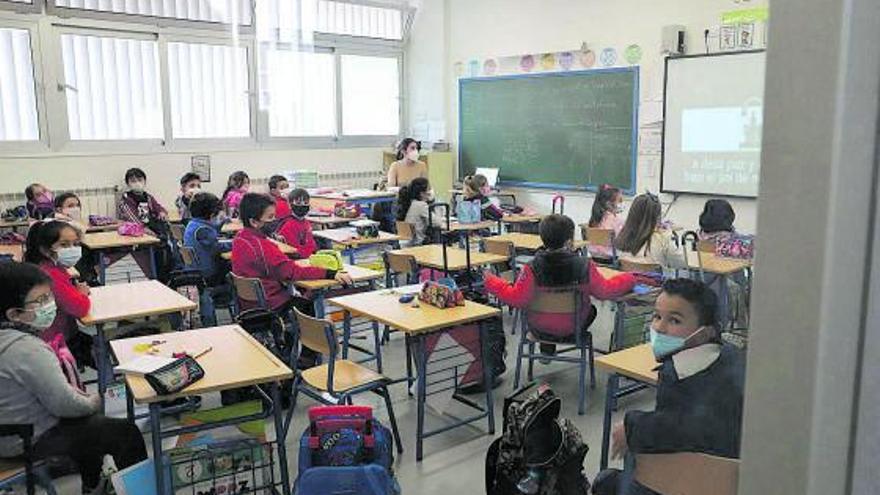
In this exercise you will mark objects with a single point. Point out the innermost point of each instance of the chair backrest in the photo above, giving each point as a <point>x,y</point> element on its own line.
<point>317,334</point>
<point>631,265</point>
<point>558,300</point>
<point>501,248</point>
<point>249,289</point>
<point>405,231</point>
<point>402,263</point>
<point>188,255</point>
<point>598,237</point>
<point>687,473</point>
<point>706,246</point>
<point>177,232</point>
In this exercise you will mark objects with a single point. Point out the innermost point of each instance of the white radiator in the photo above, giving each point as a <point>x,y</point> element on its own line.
<point>95,200</point>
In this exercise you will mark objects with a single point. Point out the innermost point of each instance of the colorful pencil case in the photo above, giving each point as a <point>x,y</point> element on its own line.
<point>176,376</point>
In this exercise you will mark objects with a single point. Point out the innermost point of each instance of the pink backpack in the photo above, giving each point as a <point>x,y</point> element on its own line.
<point>130,229</point>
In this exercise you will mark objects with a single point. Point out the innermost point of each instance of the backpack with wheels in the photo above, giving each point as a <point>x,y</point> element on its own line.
<point>538,453</point>
<point>346,450</point>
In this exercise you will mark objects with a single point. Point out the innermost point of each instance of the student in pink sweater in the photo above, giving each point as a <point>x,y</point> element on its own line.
<point>607,214</point>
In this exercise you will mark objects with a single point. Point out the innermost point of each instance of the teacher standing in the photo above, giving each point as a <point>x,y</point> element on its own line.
<point>407,167</point>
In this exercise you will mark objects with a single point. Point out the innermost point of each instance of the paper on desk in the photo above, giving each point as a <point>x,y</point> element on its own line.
<point>144,364</point>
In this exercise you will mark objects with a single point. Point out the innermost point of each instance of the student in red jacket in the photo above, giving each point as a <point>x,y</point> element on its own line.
<point>53,245</point>
<point>296,229</point>
<point>254,255</point>
<point>557,265</point>
<point>279,188</point>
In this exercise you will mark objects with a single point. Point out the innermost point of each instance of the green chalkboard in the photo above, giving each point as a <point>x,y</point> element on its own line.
<point>561,130</point>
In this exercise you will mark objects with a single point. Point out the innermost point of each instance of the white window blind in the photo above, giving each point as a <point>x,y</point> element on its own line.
<point>359,20</point>
<point>18,1</point>
<point>220,11</point>
<point>112,87</point>
<point>209,90</point>
<point>370,96</point>
<point>283,20</point>
<point>299,93</point>
<point>18,102</point>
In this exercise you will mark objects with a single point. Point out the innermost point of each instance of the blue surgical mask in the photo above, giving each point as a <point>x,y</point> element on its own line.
<point>663,345</point>
<point>69,256</point>
<point>44,316</point>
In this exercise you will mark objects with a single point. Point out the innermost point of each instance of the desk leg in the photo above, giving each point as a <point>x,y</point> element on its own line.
<point>724,296</point>
<point>102,267</point>
<point>129,402</point>
<point>156,434</point>
<point>487,375</point>
<point>153,267</point>
<point>101,358</point>
<point>421,392</point>
<point>346,332</point>
<point>319,304</point>
<point>610,398</point>
<point>351,255</point>
<point>280,438</point>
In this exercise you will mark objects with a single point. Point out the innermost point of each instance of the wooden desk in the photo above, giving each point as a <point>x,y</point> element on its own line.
<point>101,241</point>
<point>232,227</point>
<point>530,242</point>
<point>636,363</point>
<point>363,198</point>
<point>102,228</point>
<point>468,227</point>
<point>347,238</point>
<point>431,256</point>
<point>14,250</point>
<point>711,263</point>
<point>519,218</point>
<point>358,274</point>
<point>15,224</point>
<point>418,324</point>
<point>235,360</point>
<point>326,222</point>
<point>114,303</point>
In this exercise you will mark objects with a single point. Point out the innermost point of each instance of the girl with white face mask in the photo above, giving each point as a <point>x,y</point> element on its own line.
<point>35,390</point>
<point>407,167</point>
<point>69,209</point>
<point>54,246</point>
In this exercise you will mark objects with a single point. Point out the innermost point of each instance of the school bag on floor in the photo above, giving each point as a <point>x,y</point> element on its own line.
<point>345,450</point>
<point>538,452</point>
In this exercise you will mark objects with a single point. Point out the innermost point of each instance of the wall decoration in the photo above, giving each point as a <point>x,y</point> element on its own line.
<point>746,35</point>
<point>565,60</point>
<point>548,61</point>
<point>490,67</point>
<point>527,63</point>
<point>587,59</point>
<point>608,57</point>
<point>633,54</point>
<point>473,68</point>
<point>728,37</point>
<point>201,166</point>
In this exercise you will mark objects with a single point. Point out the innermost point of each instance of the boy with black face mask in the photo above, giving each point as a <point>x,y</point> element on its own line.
<point>296,229</point>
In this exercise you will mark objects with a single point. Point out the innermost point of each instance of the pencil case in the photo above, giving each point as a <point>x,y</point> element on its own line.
<point>176,376</point>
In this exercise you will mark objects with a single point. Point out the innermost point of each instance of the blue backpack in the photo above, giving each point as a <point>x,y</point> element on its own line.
<point>345,450</point>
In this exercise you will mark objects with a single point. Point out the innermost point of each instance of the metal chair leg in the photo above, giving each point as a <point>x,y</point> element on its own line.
<point>392,418</point>
<point>531,374</point>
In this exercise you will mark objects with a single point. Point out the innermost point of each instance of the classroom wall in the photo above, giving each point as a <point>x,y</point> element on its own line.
<point>164,170</point>
<point>479,29</point>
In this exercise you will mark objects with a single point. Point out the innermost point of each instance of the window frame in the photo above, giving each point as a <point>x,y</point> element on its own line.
<point>60,11</point>
<point>174,144</point>
<point>42,143</point>
<point>36,7</point>
<point>59,122</point>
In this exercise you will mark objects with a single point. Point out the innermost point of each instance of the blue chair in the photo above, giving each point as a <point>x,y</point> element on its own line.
<point>24,470</point>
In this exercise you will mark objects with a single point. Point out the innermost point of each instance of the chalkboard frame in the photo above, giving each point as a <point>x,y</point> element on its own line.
<point>663,126</point>
<point>574,73</point>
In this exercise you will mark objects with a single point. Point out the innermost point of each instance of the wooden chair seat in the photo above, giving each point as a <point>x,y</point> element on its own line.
<point>10,468</point>
<point>687,473</point>
<point>346,376</point>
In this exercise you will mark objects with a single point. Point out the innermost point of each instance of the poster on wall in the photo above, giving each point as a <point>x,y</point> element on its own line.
<point>728,37</point>
<point>746,38</point>
<point>201,166</point>
<point>583,58</point>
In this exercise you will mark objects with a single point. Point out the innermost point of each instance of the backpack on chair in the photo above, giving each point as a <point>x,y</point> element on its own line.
<point>538,453</point>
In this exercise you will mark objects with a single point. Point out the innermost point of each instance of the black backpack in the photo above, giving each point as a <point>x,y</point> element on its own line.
<point>538,453</point>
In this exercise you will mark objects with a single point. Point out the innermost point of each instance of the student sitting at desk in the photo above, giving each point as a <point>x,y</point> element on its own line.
<point>139,206</point>
<point>53,245</point>
<point>699,392</point>
<point>557,265</point>
<point>40,201</point>
<point>642,238</point>
<point>69,209</point>
<point>413,201</point>
<point>190,185</point>
<point>202,236</point>
<point>254,255</point>
<point>279,189</point>
<point>407,167</point>
<point>296,230</point>
<point>237,186</point>
<point>607,213</point>
<point>34,390</point>
<point>476,188</point>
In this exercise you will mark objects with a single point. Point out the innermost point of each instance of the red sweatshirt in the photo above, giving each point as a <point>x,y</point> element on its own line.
<point>298,233</point>
<point>255,256</point>
<point>72,305</point>
<point>282,207</point>
<point>521,292</point>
